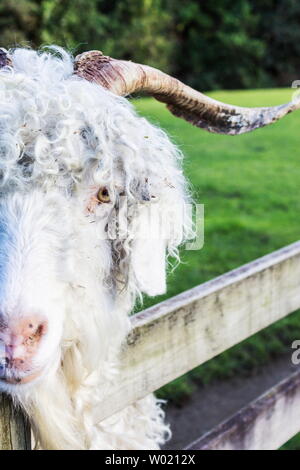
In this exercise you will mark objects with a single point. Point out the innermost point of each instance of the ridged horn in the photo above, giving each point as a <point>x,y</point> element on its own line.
<point>125,78</point>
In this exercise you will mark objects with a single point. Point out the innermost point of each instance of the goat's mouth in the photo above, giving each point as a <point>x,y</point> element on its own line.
<point>14,378</point>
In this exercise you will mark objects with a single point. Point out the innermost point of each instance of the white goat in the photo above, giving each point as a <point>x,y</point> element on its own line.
<point>72,155</point>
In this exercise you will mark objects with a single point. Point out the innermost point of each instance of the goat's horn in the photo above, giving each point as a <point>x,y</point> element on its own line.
<point>124,78</point>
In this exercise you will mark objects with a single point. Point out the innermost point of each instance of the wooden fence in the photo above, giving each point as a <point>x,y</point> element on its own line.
<point>175,336</point>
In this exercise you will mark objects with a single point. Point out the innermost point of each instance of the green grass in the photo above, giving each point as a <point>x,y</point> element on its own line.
<point>249,185</point>
<point>292,444</point>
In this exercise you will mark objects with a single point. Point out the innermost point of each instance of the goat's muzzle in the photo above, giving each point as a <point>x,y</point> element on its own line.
<point>20,338</point>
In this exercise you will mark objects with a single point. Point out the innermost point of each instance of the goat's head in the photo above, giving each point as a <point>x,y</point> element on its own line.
<point>80,173</point>
<point>74,158</point>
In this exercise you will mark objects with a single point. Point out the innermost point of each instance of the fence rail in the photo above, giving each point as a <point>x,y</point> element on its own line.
<point>175,336</point>
<point>265,424</point>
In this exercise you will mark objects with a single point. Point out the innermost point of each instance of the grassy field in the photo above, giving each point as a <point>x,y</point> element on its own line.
<point>249,185</point>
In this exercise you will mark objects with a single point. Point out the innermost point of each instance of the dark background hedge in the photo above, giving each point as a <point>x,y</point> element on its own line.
<point>209,44</point>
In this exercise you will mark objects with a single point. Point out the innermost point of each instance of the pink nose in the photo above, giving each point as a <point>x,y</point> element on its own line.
<point>20,338</point>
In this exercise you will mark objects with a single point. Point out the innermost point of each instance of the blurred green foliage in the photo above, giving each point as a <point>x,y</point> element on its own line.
<point>210,45</point>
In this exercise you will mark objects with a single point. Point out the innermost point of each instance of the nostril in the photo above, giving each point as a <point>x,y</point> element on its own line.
<point>35,332</point>
<point>35,325</point>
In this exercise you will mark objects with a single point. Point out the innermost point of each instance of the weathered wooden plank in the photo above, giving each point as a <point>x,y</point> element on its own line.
<point>265,424</point>
<point>173,337</point>
<point>14,428</point>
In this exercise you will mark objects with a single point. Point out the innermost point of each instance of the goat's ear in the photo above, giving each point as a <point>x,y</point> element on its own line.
<point>149,266</point>
<point>159,229</point>
<point>149,252</point>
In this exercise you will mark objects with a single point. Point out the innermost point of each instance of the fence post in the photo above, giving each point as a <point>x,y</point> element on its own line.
<point>14,427</point>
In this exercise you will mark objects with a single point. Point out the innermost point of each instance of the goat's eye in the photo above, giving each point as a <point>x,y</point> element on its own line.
<point>103,195</point>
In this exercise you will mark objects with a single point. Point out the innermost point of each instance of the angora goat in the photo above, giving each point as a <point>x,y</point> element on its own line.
<point>79,172</point>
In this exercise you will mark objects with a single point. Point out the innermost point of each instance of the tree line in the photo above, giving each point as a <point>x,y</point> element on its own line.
<point>208,44</point>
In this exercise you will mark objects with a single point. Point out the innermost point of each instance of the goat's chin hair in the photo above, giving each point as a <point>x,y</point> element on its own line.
<point>68,422</point>
<point>51,414</point>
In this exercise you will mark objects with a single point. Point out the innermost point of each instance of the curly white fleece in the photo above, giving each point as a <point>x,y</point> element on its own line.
<point>61,139</point>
